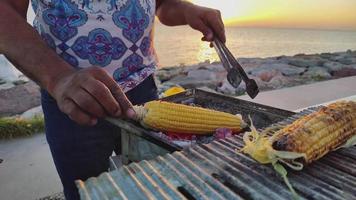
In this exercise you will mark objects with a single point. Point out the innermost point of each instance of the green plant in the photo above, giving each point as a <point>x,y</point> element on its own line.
<point>15,127</point>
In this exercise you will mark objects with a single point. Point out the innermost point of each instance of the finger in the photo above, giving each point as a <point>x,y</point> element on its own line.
<point>125,104</point>
<point>76,114</point>
<point>103,95</point>
<point>203,28</point>
<point>87,103</point>
<point>118,94</point>
<point>215,22</point>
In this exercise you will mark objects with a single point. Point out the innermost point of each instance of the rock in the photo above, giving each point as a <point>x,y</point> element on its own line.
<point>285,69</point>
<point>345,72</point>
<point>326,55</point>
<point>216,67</point>
<point>2,81</point>
<point>333,66</point>
<point>7,85</point>
<point>19,82</point>
<point>188,82</point>
<point>306,61</point>
<point>348,61</point>
<point>201,74</point>
<point>266,76</point>
<point>7,71</point>
<point>227,88</point>
<point>292,71</point>
<point>336,57</point>
<point>33,112</point>
<point>18,99</point>
<point>319,73</point>
<point>299,63</point>
<point>166,74</point>
<point>278,82</point>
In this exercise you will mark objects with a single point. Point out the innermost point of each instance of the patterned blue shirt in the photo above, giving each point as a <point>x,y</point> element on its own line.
<point>113,34</point>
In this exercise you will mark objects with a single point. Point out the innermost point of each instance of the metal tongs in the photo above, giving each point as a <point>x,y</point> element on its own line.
<point>235,72</point>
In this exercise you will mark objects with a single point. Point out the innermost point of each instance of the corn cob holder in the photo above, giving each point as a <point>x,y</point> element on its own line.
<point>179,118</point>
<point>305,140</point>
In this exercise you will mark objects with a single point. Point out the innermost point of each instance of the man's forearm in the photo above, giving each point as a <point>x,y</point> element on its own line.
<point>23,46</point>
<point>171,12</point>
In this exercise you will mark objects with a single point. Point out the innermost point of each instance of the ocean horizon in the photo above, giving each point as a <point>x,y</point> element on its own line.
<point>182,45</point>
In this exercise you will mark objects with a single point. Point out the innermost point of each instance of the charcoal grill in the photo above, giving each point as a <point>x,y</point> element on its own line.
<point>139,143</point>
<point>218,171</point>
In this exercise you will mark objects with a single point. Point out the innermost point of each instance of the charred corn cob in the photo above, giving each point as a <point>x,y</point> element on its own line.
<point>318,133</point>
<point>308,138</point>
<point>172,117</point>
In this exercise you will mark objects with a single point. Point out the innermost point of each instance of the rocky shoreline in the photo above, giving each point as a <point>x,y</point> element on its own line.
<point>269,73</point>
<point>18,95</point>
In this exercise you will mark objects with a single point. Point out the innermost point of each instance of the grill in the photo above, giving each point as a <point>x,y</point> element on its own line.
<point>217,171</point>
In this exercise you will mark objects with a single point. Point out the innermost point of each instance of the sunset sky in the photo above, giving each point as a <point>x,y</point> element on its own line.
<point>316,14</point>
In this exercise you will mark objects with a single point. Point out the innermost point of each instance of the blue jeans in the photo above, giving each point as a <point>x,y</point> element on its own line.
<point>80,152</point>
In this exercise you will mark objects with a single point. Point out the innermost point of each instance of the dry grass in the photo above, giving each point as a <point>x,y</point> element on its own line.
<point>15,127</point>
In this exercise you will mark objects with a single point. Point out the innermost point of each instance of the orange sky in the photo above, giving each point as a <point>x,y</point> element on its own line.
<point>316,14</point>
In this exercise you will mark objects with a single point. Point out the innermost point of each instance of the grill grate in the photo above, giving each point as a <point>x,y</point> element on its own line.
<point>217,171</point>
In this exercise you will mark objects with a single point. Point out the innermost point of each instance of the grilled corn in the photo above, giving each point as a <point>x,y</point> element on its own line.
<point>307,139</point>
<point>320,132</point>
<point>179,118</point>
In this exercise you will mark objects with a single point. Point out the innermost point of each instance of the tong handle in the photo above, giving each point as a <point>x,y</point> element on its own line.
<point>230,57</point>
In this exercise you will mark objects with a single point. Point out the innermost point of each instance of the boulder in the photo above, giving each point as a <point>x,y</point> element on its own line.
<point>189,82</point>
<point>6,85</point>
<point>299,63</point>
<point>33,112</point>
<point>348,61</point>
<point>285,69</point>
<point>7,71</point>
<point>278,82</point>
<point>201,74</point>
<point>227,88</point>
<point>333,66</point>
<point>18,99</point>
<point>345,72</point>
<point>166,74</point>
<point>306,61</point>
<point>266,76</point>
<point>317,73</point>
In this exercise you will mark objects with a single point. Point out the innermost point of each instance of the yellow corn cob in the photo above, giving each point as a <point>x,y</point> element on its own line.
<point>320,132</point>
<point>173,117</point>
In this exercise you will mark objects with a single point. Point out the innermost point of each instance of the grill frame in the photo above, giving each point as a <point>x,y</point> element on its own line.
<point>217,171</point>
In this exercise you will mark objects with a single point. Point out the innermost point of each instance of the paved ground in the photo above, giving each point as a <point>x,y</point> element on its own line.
<point>298,97</point>
<point>27,170</point>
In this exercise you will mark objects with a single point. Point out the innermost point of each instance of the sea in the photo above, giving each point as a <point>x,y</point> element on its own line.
<point>183,46</point>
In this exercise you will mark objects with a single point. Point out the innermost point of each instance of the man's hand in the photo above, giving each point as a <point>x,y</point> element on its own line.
<point>206,20</point>
<point>89,94</point>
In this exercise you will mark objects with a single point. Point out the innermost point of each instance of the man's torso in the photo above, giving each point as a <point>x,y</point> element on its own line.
<point>114,34</point>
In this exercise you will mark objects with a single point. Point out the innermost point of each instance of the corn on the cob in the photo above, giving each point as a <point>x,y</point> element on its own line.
<point>173,117</point>
<point>320,132</point>
<point>308,138</point>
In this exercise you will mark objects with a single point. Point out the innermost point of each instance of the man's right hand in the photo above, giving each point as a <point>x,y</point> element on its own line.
<point>89,94</point>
